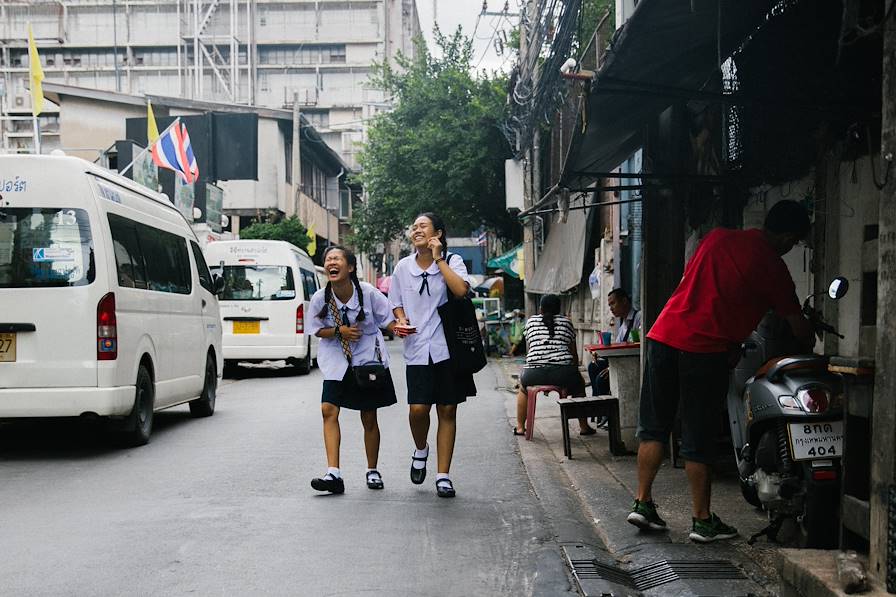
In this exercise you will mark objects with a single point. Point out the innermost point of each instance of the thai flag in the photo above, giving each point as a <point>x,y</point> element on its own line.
<point>173,151</point>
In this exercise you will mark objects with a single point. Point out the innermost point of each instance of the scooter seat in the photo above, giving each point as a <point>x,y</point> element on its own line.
<point>790,363</point>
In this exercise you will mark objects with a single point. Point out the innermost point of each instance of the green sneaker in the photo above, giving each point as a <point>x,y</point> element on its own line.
<point>644,516</point>
<point>711,529</point>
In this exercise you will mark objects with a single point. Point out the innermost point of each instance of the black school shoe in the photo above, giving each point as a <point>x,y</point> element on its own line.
<point>418,475</point>
<point>444,488</point>
<point>328,483</point>
<point>374,480</point>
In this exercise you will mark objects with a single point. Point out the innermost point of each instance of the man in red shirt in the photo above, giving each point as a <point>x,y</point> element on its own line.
<point>731,282</point>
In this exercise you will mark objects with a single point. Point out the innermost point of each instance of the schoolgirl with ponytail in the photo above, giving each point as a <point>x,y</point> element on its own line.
<point>348,315</point>
<point>551,359</point>
<point>421,282</point>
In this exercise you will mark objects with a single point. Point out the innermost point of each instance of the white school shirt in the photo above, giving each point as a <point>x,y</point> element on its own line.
<point>408,291</point>
<point>378,313</point>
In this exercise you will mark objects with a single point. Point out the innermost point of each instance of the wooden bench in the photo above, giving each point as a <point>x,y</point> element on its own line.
<point>592,406</point>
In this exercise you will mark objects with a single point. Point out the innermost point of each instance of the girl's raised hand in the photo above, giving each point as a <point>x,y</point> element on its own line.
<point>435,245</point>
<point>352,333</point>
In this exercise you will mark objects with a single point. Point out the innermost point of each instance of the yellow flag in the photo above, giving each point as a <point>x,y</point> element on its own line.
<point>36,73</point>
<point>152,129</point>
<point>521,263</point>
<point>312,241</point>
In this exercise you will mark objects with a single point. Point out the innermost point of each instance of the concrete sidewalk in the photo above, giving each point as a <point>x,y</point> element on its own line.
<point>603,487</point>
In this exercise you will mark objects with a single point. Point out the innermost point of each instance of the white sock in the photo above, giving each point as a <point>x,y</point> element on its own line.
<point>442,477</point>
<point>424,453</point>
<point>375,472</point>
<point>334,472</point>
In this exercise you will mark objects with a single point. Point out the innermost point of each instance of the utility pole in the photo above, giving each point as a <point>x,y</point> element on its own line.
<point>296,153</point>
<point>115,46</point>
<point>530,165</point>
<point>883,439</point>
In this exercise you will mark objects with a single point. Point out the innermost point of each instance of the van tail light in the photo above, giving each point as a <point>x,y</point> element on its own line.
<point>300,319</point>
<point>106,329</point>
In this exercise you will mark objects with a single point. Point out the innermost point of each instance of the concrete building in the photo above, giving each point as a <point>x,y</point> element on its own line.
<point>257,52</point>
<point>319,195</point>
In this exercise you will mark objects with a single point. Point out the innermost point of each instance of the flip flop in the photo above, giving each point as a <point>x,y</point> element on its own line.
<point>515,432</point>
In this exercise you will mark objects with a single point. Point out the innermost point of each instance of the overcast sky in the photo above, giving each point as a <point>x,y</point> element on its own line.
<point>465,13</point>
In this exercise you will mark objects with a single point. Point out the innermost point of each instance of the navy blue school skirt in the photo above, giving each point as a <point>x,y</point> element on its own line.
<point>438,383</point>
<point>347,394</point>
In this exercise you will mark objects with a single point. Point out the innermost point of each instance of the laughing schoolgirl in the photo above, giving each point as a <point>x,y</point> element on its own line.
<point>420,284</point>
<point>347,317</point>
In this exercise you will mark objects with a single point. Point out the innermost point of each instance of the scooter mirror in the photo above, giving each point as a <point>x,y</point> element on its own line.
<point>837,289</point>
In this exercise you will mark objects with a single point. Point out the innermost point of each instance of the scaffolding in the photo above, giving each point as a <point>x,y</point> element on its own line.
<point>204,46</point>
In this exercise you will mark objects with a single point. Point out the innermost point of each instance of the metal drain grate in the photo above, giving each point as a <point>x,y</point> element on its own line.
<point>658,573</point>
<point>592,569</point>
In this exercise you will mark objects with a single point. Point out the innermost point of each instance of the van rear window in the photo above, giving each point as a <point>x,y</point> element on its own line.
<point>257,283</point>
<point>45,247</point>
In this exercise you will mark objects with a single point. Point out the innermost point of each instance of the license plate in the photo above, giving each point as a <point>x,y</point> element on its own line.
<point>7,348</point>
<point>246,327</point>
<point>816,440</point>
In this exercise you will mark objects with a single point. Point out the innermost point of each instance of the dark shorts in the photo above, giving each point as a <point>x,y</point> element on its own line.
<point>438,383</point>
<point>347,394</point>
<point>692,384</point>
<point>565,376</point>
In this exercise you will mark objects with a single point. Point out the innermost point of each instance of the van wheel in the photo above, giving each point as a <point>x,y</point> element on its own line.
<point>303,366</point>
<point>138,426</point>
<point>204,406</point>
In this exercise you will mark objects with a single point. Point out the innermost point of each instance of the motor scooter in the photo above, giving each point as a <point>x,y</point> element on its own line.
<point>785,410</point>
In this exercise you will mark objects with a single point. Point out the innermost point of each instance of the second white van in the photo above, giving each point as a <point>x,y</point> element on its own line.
<point>267,288</point>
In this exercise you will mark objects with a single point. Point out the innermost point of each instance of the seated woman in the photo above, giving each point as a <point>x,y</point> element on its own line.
<point>551,359</point>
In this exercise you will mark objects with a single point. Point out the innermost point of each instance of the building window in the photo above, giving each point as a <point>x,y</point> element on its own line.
<point>320,120</point>
<point>337,54</point>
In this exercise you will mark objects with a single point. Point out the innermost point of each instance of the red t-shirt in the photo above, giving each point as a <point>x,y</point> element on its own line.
<point>730,283</point>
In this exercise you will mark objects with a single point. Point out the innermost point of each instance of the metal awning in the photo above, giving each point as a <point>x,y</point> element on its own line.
<point>561,265</point>
<point>508,262</point>
<point>666,52</point>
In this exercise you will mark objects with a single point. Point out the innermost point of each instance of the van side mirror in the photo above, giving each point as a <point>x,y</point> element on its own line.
<point>218,284</point>
<point>837,289</point>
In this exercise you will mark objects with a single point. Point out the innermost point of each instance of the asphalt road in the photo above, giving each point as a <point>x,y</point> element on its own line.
<point>223,506</point>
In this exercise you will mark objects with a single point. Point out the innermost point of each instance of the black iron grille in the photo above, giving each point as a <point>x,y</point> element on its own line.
<point>658,573</point>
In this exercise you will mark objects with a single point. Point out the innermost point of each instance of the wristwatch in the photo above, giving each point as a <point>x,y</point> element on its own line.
<point>440,259</point>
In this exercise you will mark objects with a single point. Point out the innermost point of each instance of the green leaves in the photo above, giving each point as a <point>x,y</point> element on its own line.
<point>289,229</point>
<point>439,150</point>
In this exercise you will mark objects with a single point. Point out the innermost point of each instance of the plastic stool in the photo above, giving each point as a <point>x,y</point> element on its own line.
<point>532,394</point>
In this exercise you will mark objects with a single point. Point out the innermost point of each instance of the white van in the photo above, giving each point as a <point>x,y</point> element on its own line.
<point>267,288</point>
<point>106,304</point>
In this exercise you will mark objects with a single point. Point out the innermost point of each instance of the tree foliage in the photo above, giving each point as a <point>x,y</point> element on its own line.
<point>289,229</point>
<point>591,14</point>
<point>439,150</point>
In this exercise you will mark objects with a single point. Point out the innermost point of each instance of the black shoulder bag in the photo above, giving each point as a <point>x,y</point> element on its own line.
<point>374,376</point>
<point>462,332</point>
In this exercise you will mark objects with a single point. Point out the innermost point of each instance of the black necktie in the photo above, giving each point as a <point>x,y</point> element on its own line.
<point>345,319</point>
<point>424,284</point>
